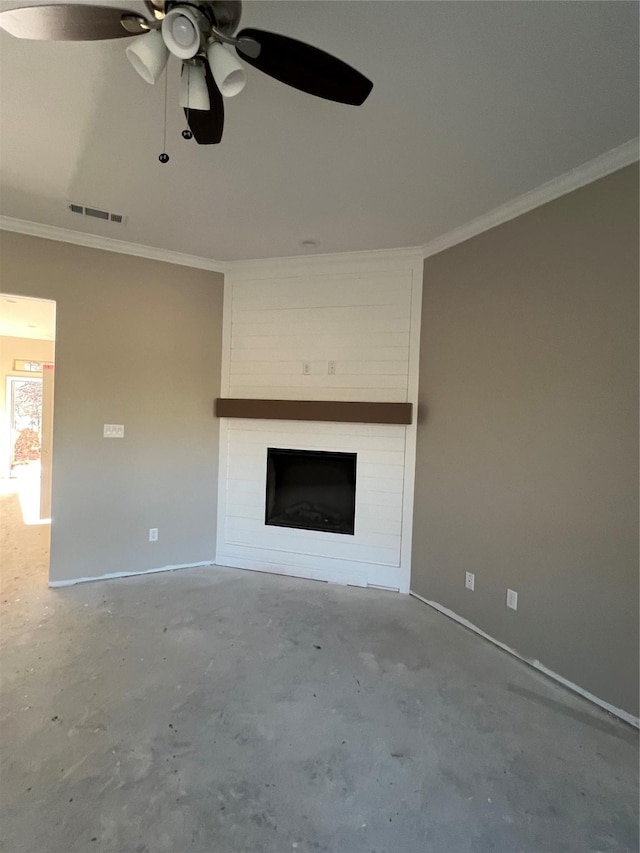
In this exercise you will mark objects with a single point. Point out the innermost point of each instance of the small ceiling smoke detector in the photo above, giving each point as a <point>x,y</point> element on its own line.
<point>309,244</point>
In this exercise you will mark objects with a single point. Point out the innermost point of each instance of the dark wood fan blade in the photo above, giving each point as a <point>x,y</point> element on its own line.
<point>65,22</point>
<point>207,125</point>
<point>306,68</point>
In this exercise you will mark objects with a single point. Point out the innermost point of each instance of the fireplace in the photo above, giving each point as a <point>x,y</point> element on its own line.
<point>311,490</point>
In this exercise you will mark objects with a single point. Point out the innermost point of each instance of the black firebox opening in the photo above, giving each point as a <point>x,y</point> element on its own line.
<point>311,489</point>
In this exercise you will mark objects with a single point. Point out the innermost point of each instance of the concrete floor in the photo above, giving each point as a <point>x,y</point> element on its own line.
<point>220,711</point>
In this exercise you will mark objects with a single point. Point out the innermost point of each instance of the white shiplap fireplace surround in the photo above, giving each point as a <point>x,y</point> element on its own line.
<point>354,324</point>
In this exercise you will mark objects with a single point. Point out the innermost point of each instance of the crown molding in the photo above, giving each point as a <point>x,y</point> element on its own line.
<point>327,262</point>
<point>108,244</point>
<point>599,167</point>
<point>402,253</point>
<point>582,175</point>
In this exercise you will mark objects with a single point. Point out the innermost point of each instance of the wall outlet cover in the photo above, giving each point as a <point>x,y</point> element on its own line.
<point>113,431</point>
<point>153,534</point>
<point>470,581</point>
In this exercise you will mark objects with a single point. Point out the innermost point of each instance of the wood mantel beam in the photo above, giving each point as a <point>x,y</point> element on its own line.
<point>314,410</point>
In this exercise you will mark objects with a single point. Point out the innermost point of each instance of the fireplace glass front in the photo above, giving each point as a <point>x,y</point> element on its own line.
<point>311,490</point>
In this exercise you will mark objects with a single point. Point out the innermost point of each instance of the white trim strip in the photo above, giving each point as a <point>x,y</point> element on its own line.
<point>112,575</point>
<point>617,712</point>
<point>108,244</point>
<point>295,264</point>
<point>582,175</point>
<point>411,431</point>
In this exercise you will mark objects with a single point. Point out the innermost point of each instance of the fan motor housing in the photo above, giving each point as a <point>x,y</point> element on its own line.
<point>224,14</point>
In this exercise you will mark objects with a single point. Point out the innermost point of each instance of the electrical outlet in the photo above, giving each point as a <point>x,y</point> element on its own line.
<point>331,368</point>
<point>512,599</point>
<point>470,581</point>
<point>306,367</point>
<point>153,534</point>
<point>113,431</point>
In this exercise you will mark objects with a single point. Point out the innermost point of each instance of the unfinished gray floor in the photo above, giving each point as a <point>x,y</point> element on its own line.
<point>222,711</point>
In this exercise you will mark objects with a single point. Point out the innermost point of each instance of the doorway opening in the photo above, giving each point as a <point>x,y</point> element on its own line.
<point>24,398</point>
<point>27,359</point>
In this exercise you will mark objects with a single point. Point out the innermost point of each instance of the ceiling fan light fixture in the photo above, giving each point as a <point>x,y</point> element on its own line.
<point>197,32</point>
<point>194,94</point>
<point>148,54</point>
<point>182,31</point>
<point>229,74</point>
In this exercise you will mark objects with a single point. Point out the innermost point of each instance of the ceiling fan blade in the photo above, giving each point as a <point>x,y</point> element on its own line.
<point>65,22</point>
<point>207,125</point>
<point>305,67</point>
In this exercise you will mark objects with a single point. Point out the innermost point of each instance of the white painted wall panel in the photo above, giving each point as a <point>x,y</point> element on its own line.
<point>348,367</point>
<point>369,317</point>
<point>325,340</point>
<point>325,428</point>
<point>322,291</point>
<point>308,392</point>
<point>320,380</point>
<point>345,351</point>
<point>316,319</point>
<point>392,449</point>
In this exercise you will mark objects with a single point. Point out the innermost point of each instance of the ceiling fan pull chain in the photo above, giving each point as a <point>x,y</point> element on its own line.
<point>164,157</point>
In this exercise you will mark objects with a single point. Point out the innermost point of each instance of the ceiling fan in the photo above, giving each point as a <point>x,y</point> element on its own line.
<point>197,33</point>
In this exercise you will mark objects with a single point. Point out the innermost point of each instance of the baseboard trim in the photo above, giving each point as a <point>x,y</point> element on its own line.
<point>112,575</point>
<point>611,709</point>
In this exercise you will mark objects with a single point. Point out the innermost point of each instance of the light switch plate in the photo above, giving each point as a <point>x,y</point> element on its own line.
<point>512,599</point>
<point>113,431</point>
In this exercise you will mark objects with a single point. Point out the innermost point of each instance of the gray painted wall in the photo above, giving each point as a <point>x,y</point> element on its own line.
<point>138,343</point>
<point>527,463</point>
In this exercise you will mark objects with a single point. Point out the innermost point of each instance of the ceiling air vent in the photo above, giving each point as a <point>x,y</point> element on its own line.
<point>96,213</point>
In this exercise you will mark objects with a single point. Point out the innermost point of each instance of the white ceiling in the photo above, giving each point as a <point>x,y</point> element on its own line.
<point>23,317</point>
<point>474,103</point>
